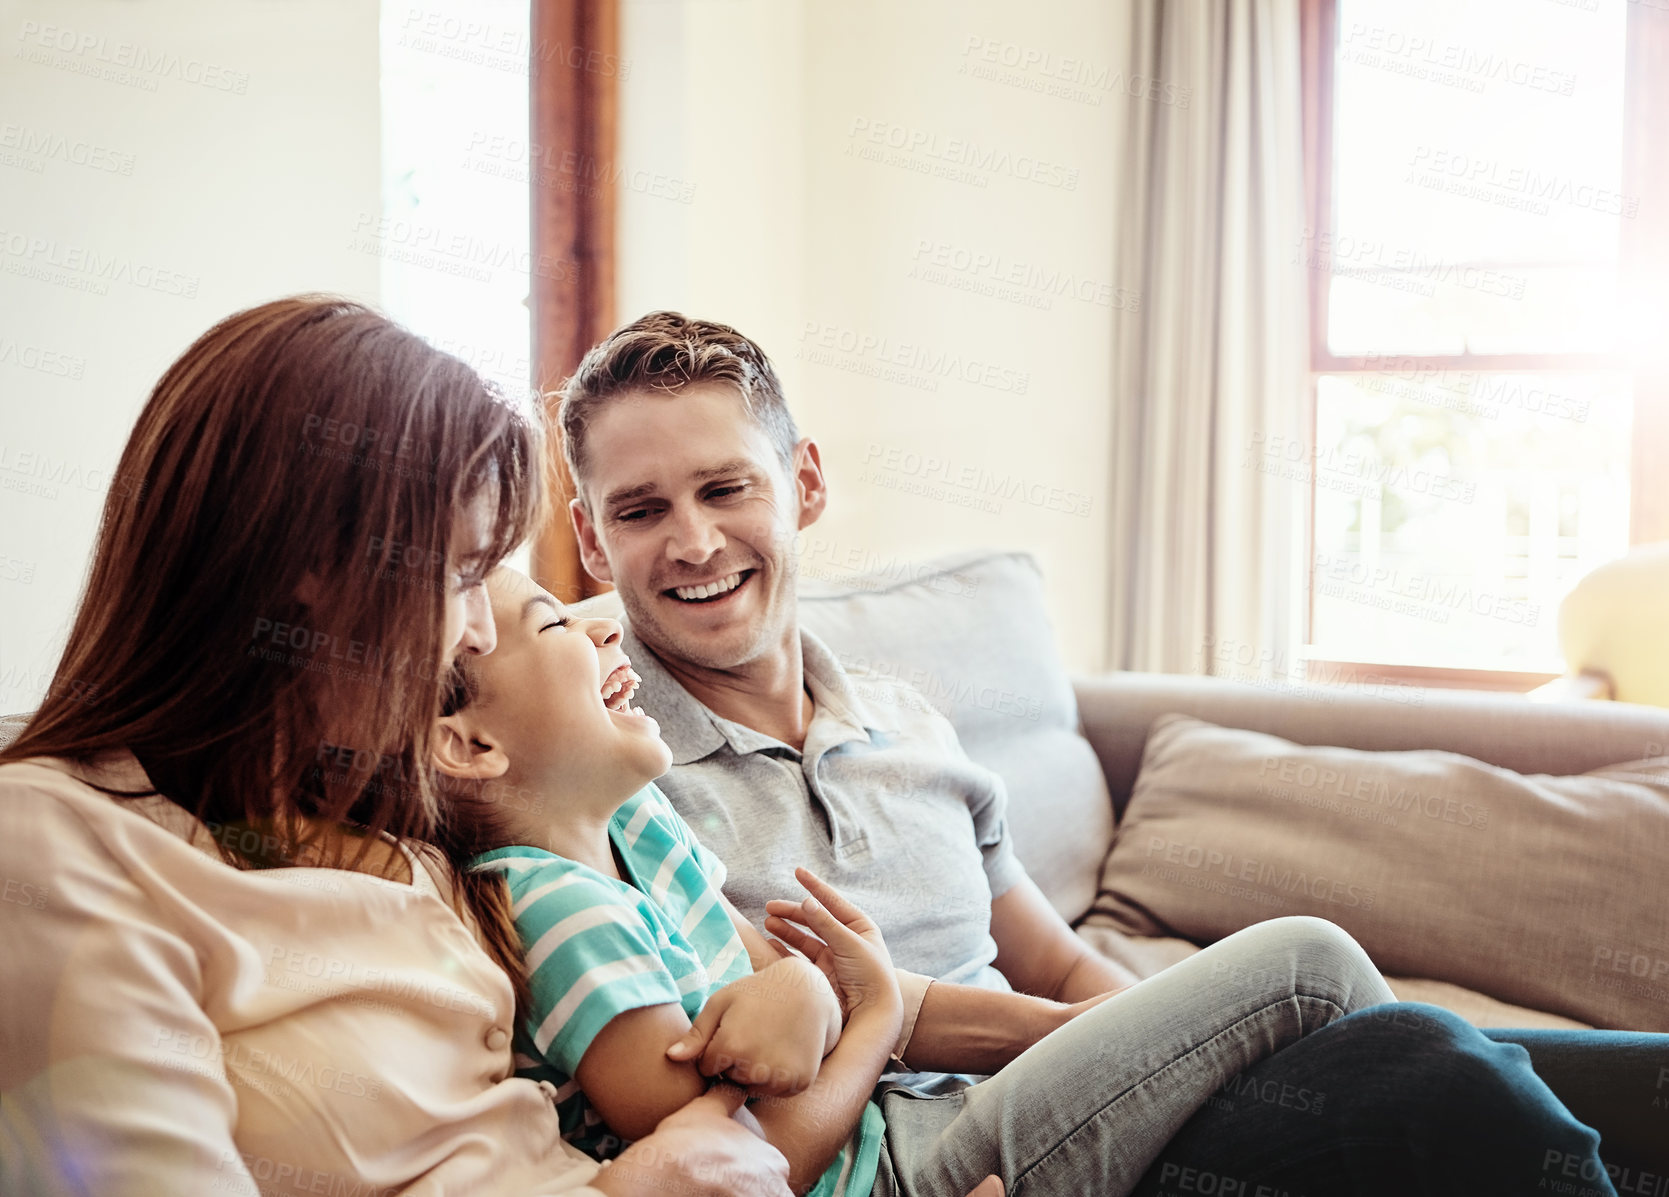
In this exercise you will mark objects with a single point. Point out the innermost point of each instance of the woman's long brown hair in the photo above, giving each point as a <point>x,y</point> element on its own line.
<point>274,554</point>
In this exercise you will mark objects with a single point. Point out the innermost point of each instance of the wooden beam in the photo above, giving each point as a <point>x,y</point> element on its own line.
<point>574,72</point>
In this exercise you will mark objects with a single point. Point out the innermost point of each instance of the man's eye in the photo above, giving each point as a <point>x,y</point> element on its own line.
<point>556,623</point>
<point>724,492</point>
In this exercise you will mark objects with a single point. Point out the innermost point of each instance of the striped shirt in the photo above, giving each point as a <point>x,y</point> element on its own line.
<point>597,947</point>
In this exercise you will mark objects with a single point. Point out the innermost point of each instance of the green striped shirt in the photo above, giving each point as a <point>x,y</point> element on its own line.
<point>597,947</point>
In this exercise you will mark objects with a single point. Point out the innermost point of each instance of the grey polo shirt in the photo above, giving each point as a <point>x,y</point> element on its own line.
<point>882,803</point>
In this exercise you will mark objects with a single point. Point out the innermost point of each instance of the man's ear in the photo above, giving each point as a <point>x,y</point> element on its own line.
<point>809,486</point>
<point>459,750</point>
<point>591,548</point>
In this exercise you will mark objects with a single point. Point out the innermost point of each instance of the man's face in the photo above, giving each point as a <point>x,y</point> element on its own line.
<point>692,517</point>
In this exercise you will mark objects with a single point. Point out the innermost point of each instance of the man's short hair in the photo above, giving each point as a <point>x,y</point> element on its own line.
<point>668,351</point>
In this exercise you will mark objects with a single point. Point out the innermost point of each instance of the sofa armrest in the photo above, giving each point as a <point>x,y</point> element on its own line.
<point>1575,687</point>
<point>1116,710</point>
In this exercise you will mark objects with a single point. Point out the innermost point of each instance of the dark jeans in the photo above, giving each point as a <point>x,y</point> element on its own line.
<point>1408,1099</point>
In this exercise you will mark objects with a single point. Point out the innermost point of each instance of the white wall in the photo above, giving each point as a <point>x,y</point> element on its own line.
<point>244,140</point>
<point>764,110</point>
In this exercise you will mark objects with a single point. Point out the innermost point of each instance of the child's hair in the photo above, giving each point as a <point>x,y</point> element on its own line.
<point>471,824</point>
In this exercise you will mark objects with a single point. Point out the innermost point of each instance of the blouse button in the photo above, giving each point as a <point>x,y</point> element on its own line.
<point>497,1038</point>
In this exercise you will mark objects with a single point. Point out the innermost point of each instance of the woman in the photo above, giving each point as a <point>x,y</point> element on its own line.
<point>250,683</point>
<point>320,495</point>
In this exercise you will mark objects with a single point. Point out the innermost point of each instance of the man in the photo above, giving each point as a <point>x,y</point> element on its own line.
<point>689,501</point>
<point>692,483</point>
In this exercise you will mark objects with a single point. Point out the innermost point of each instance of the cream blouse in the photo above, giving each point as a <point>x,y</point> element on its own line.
<point>171,1024</point>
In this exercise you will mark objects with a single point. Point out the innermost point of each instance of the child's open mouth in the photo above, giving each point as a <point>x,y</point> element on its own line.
<point>711,592</point>
<point>618,688</point>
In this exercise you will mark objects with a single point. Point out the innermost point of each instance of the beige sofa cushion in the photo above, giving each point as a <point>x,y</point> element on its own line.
<point>1540,891</point>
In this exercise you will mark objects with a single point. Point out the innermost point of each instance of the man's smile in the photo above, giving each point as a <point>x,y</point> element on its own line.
<point>715,591</point>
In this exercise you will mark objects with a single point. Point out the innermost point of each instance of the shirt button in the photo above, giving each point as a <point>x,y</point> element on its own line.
<point>497,1038</point>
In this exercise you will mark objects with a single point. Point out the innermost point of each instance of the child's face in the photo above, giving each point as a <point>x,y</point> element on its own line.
<point>542,696</point>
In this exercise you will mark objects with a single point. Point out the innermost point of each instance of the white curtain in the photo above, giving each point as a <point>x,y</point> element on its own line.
<point>1207,569</point>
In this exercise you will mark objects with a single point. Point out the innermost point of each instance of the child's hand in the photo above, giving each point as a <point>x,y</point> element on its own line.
<point>769,1030</point>
<point>840,939</point>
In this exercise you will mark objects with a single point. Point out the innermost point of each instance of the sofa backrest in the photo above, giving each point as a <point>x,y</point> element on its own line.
<point>1502,729</point>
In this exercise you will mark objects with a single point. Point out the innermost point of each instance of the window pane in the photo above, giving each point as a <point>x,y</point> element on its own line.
<point>1454,509</point>
<point>1477,177</point>
<point>454,234</point>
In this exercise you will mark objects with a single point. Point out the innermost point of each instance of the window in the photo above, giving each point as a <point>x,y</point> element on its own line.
<point>1478,204</point>
<point>453,235</point>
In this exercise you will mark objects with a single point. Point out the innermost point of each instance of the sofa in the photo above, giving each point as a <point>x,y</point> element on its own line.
<point>1502,858</point>
<point>1505,859</point>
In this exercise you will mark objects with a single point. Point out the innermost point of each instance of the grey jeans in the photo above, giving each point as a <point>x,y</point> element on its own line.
<point>1089,1108</point>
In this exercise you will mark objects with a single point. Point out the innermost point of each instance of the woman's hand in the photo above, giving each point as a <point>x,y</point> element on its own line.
<point>702,1150</point>
<point>769,1030</point>
<point>841,940</point>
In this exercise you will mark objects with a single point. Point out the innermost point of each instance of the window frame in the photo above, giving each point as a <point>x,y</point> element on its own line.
<point>1644,271</point>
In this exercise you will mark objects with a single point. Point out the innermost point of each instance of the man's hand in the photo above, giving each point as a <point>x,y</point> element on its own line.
<point>769,1030</point>
<point>702,1150</point>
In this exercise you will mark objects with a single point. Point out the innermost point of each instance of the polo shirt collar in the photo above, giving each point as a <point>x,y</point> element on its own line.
<point>692,731</point>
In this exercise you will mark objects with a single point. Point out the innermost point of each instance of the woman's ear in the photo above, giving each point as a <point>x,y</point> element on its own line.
<point>459,750</point>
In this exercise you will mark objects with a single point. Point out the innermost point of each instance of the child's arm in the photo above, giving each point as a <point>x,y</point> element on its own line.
<point>768,1031</point>
<point>631,1084</point>
<point>811,1128</point>
<point>626,1075</point>
<point>771,1030</point>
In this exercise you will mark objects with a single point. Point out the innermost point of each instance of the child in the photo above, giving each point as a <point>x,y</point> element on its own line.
<point>619,910</point>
